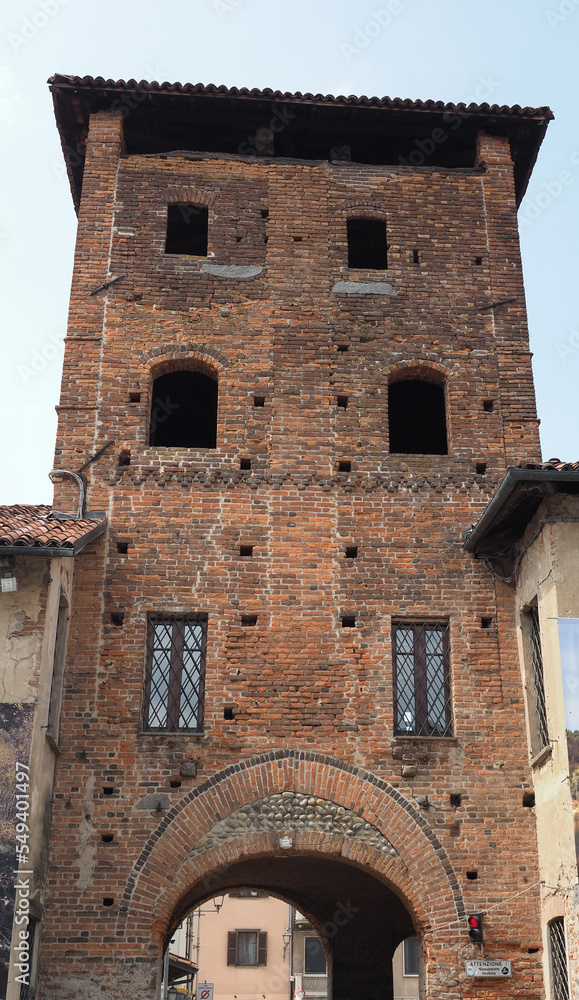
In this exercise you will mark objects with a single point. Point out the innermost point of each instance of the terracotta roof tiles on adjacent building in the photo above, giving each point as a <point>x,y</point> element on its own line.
<point>37,527</point>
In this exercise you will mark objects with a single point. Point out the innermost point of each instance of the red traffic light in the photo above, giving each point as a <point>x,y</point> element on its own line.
<point>475,931</point>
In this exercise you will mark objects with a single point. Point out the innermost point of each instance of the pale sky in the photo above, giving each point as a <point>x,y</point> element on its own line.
<point>519,51</point>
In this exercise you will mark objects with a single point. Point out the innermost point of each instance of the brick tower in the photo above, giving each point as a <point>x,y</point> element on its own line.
<point>297,366</point>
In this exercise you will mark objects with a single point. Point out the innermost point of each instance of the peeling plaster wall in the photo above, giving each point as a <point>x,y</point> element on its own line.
<point>549,574</point>
<point>28,626</point>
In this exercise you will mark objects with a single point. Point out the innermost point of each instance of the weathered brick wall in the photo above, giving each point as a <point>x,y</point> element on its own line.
<point>297,680</point>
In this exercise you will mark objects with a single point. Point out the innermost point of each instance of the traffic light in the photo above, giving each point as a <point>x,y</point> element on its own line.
<point>475,928</point>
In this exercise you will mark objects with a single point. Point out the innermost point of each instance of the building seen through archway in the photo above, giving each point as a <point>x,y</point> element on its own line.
<point>250,945</point>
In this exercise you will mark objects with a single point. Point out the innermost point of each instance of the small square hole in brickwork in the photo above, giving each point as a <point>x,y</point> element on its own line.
<point>175,783</point>
<point>351,551</point>
<point>122,548</point>
<point>486,623</point>
<point>416,256</point>
<point>228,714</point>
<point>348,621</point>
<point>246,551</point>
<point>248,620</point>
<point>528,800</point>
<point>108,789</point>
<point>297,239</point>
<point>117,618</point>
<point>259,400</point>
<point>455,800</point>
<point>245,464</point>
<point>108,901</point>
<point>478,261</point>
<point>344,466</point>
<point>488,405</point>
<point>472,876</point>
<point>342,348</point>
<point>187,227</point>
<point>135,397</point>
<point>532,951</point>
<point>481,468</point>
<point>265,213</point>
<point>124,457</point>
<point>342,402</point>
<point>107,838</point>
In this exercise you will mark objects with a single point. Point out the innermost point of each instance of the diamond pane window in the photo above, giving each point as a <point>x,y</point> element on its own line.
<point>538,679</point>
<point>558,950</point>
<point>421,679</point>
<point>175,676</point>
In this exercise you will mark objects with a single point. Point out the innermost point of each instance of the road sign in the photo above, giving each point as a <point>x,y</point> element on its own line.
<point>490,968</point>
<point>205,991</point>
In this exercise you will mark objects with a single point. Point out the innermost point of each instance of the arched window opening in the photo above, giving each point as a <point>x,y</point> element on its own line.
<point>187,229</point>
<point>417,418</point>
<point>367,244</point>
<point>184,411</point>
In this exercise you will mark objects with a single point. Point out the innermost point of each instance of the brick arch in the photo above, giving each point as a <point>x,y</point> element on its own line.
<point>365,210</point>
<point>199,357</point>
<point>419,368</point>
<point>189,195</point>
<point>422,876</point>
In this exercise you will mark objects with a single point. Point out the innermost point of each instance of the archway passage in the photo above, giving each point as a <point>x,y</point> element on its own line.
<point>184,411</point>
<point>360,919</point>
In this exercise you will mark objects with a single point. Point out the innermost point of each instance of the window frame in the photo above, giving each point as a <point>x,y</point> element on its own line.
<point>313,937</point>
<point>412,975</point>
<point>260,948</point>
<point>559,970</point>
<point>420,692</point>
<point>535,680</point>
<point>174,680</point>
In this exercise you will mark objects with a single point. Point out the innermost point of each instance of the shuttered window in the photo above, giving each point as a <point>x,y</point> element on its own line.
<point>246,948</point>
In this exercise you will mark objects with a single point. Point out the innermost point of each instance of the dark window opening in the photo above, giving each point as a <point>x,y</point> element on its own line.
<point>314,957</point>
<point>367,244</point>
<point>472,876</point>
<point>187,227</point>
<point>247,948</point>
<point>117,618</point>
<point>344,466</point>
<point>122,548</point>
<point>124,457</point>
<point>246,551</point>
<point>342,402</point>
<point>417,418</point>
<point>411,956</point>
<point>455,800</point>
<point>558,960</point>
<point>259,400</point>
<point>416,257</point>
<point>248,620</point>
<point>134,397</point>
<point>175,674</point>
<point>351,552</point>
<point>348,621</point>
<point>486,622</point>
<point>184,411</point>
<point>481,468</point>
<point>488,405</point>
<point>529,800</point>
<point>107,838</point>
<point>421,661</point>
<point>228,714</point>
<point>245,464</point>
